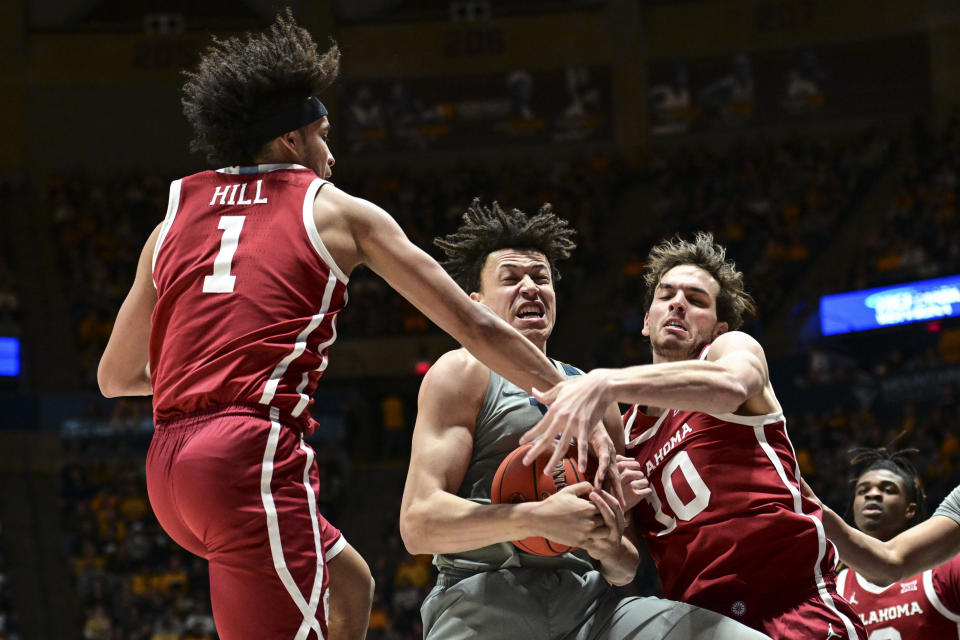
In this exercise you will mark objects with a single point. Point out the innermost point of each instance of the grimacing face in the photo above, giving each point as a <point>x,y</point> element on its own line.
<point>880,504</point>
<point>517,285</point>
<point>682,317</point>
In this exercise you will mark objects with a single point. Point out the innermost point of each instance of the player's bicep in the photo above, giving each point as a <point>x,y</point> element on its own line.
<point>743,358</point>
<point>385,248</point>
<point>443,434</point>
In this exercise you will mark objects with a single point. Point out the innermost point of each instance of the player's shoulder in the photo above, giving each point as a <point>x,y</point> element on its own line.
<point>455,376</point>
<point>347,206</point>
<point>458,368</point>
<point>732,341</point>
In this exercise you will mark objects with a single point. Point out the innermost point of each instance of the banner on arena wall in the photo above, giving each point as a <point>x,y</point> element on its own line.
<point>519,106</point>
<point>919,301</point>
<point>890,75</point>
<point>9,356</point>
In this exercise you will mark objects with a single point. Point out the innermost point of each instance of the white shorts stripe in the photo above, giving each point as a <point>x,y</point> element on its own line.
<point>821,534</point>
<point>318,545</point>
<point>309,611</point>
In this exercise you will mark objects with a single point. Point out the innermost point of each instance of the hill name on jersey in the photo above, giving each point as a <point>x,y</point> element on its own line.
<point>222,192</point>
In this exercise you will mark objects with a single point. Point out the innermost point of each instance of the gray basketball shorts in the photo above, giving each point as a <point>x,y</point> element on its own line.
<point>547,604</point>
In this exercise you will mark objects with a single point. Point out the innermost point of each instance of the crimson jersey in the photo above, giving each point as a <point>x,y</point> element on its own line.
<point>726,523</point>
<point>923,607</point>
<point>248,295</point>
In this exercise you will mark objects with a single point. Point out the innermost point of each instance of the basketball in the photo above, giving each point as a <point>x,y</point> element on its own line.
<point>514,483</point>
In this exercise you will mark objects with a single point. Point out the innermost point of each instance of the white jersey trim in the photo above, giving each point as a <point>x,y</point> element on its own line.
<point>173,205</point>
<point>336,548</point>
<point>646,435</point>
<point>310,224</point>
<point>749,421</point>
<point>259,168</point>
<point>842,582</point>
<point>869,587</point>
<point>270,388</point>
<point>304,401</point>
<point>818,525</point>
<point>935,599</point>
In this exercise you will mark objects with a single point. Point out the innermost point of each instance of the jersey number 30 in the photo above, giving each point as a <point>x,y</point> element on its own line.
<point>222,281</point>
<point>686,511</point>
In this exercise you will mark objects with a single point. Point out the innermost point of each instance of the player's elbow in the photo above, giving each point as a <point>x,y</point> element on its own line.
<point>108,382</point>
<point>729,394</point>
<point>887,571</point>
<point>413,531</point>
<point>114,382</point>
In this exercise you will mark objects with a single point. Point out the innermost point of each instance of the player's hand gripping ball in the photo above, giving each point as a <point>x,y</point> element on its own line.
<point>514,483</point>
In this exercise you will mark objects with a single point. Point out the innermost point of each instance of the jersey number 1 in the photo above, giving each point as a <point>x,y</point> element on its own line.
<point>222,280</point>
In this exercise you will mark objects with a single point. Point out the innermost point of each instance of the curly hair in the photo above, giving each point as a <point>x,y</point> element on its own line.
<point>733,302</point>
<point>866,459</point>
<point>238,82</point>
<point>488,229</point>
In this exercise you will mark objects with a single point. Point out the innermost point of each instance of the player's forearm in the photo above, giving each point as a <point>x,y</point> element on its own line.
<point>503,349</point>
<point>445,523</point>
<point>694,385</point>
<point>870,557</point>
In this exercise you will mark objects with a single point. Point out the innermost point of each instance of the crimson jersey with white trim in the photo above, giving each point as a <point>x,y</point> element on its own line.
<point>923,607</point>
<point>248,295</point>
<point>726,524</point>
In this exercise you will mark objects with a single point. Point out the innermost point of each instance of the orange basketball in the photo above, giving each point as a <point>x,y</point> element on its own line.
<point>514,483</point>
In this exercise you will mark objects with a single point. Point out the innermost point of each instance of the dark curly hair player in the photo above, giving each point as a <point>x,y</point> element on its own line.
<point>228,325</point>
<point>888,499</point>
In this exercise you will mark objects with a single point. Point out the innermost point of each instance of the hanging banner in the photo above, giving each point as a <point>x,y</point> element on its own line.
<point>519,106</point>
<point>778,87</point>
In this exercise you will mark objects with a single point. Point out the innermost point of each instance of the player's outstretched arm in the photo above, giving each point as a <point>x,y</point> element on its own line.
<point>433,519</point>
<point>733,376</point>
<point>921,547</point>
<point>123,366</point>
<point>382,245</point>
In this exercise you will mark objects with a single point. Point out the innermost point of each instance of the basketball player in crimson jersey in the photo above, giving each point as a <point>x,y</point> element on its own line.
<point>924,546</point>
<point>726,523</point>
<point>228,323</point>
<point>888,499</point>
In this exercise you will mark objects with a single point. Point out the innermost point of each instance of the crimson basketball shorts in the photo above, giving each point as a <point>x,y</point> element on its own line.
<point>817,617</point>
<point>238,488</point>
